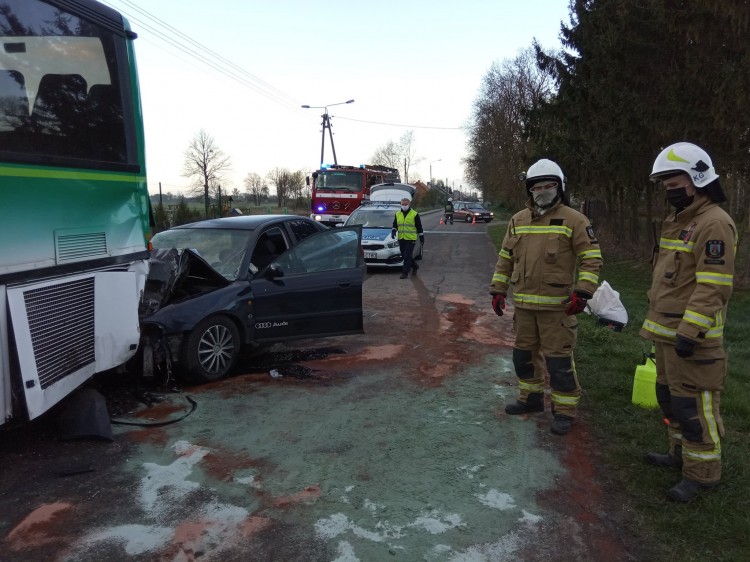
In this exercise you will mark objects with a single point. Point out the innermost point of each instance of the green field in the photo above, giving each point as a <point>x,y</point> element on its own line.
<point>715,526</point>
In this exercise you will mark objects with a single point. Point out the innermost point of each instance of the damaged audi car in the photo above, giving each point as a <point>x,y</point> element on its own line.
<point>219,285</point>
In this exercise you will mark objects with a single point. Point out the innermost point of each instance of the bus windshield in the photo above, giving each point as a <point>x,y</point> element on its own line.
<point>336,180</point>
<point>59,93</point>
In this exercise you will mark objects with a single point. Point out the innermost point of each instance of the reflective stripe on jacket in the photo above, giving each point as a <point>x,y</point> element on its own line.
<point>693,275</point>
<point>541,254</point>
<point>407,229</point>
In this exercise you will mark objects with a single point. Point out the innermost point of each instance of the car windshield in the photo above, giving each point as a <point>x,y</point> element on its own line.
<point>339,181</point>
<point>372,218</point>
<point>222,248</point>
<point>474,206</point>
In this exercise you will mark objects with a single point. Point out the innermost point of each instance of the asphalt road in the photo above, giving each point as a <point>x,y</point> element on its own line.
<point>391,445</point>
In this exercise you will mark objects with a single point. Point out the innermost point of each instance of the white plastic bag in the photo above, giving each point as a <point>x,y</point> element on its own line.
<point>607,307</point>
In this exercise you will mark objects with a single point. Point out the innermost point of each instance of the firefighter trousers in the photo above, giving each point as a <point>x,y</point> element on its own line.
<point>549,335</point>
<point>688,391</point>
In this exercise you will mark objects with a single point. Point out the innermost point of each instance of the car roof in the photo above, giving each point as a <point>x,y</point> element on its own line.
<point>245,222</point>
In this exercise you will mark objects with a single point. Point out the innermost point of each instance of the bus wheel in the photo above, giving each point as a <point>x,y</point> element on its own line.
<point>210,350</point>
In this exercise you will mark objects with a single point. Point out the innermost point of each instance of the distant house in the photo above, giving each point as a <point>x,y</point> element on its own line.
<point>421,190</point>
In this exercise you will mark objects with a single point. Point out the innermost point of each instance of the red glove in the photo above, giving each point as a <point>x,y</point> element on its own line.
<point>498,304</point>
<point>576,302</point>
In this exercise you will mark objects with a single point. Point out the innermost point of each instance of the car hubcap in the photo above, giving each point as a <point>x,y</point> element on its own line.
<point>215,349</point>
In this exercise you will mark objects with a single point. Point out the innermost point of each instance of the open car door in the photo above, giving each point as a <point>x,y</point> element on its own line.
<point>313,289</point>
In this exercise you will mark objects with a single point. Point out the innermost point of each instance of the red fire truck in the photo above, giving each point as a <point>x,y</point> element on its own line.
<point>337,190</point>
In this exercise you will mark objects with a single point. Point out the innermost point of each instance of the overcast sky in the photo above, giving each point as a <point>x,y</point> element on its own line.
<point>408,64</point>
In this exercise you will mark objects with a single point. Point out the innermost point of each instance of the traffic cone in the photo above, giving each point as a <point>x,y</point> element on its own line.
<point>474,219</point>
<point>442,221</point>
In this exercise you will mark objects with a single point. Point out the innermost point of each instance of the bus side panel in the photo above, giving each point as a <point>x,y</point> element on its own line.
<point>5,388</point>
<point>76,216</point>
<point>116,317</point>
<point>58,347</point>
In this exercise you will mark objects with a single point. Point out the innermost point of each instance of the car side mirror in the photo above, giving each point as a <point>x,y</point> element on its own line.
<point>275,270</point>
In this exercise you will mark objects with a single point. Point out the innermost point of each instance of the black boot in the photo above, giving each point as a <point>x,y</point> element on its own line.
<point>667,460</point>
<point>534,403</point>
<point>687,490</point>
<point>561,425</point>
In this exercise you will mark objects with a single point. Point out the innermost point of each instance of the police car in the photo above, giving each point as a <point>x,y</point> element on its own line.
<point>376,216</point>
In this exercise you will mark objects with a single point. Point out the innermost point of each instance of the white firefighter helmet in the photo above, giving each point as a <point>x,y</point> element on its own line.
<point>684,158</point>
<point>450,198</point>
<point>545,170</point>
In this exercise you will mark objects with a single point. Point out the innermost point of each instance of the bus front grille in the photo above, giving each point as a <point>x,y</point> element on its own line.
<point>61,322</point>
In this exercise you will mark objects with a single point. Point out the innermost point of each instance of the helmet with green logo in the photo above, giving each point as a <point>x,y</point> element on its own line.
<point>687,158</point>
<point>684,158</point>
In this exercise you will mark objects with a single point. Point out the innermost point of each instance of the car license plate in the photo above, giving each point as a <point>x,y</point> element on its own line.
<point>371,255</point>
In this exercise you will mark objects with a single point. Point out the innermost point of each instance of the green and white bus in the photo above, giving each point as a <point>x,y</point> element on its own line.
<point>74,208</point>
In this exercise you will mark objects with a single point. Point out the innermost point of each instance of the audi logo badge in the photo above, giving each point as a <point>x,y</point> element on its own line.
<point>262,325</point>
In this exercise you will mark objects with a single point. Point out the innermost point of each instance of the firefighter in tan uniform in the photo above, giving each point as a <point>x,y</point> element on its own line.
<point>692,281</point>
<point>552,259</point>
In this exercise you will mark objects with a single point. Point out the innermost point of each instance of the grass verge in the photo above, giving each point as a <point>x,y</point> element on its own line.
<point>714,527</point>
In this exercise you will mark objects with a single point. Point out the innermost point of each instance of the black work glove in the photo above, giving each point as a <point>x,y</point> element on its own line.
<point>576,302</point>
<point>394,232</point>
<point>684,347</point>
<point>421,239</point>
<point>498,304</point>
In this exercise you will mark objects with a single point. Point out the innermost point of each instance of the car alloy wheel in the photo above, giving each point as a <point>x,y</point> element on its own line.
<point>210,350</point>
<point>468,218</point>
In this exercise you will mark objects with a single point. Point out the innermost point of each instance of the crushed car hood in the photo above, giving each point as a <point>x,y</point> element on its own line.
<point>177,275</point>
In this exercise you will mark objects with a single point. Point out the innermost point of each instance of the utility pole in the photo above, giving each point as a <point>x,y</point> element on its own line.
<point>326,125</point>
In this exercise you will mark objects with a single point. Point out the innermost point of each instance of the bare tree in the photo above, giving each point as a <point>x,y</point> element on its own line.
<point>407,153</point>
<point>206,164</point>
<point>287,184</point>
<point>256,188</point>
<point>387,155</point>
<point>399,155</point>
<point>498,144</point>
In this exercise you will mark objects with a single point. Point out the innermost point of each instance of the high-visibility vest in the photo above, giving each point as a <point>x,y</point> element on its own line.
<point>407,229</point>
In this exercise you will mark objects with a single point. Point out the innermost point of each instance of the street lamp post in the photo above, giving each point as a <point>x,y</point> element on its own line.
<point>326,125</point>
<point>431,163</point>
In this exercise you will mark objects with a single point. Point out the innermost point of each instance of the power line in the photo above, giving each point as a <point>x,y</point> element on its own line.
<point>397,125</point>
<point>226,61</point>
<point>207,56</point>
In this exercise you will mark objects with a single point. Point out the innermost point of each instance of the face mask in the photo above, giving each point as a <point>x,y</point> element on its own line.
<point>544,198</point>
<point>404,207</point>
<point>678,198</point>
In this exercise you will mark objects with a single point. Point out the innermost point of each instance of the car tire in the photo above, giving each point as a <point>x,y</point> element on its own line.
<point>210,349</point>
<point>468,218</point>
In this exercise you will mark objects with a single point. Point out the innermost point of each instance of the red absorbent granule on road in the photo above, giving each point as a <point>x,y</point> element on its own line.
<point>311,493</point>
<point>41,526</point>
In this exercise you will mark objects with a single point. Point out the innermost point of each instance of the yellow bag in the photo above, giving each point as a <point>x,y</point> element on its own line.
<point>644,383</point>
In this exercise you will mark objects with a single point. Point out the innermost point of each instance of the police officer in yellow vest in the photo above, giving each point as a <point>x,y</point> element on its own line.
<point>407,226</point>
<point>543,247</point>
<point>692,281</point>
